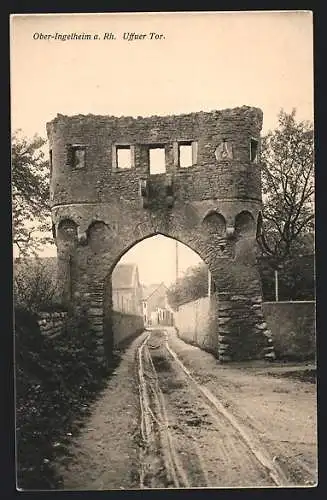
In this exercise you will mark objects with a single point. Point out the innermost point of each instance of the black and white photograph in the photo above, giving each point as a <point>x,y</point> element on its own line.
<point>163,231</point>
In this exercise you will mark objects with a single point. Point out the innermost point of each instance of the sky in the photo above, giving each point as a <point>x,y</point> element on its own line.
<point>161,249</point>
<point>199,61</point>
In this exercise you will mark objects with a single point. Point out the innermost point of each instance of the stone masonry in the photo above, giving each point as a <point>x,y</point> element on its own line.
<point>52,324</point>
<point>100,209</point>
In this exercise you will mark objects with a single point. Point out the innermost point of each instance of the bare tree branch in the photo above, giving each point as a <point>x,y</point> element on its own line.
<point>288,184</point>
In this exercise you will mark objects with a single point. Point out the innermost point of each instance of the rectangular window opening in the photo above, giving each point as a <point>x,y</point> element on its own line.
<point>124,157</point>
<point>185,152</point>
<point>254,150</point>
<point>79,157</point>
<point>76,154</point>
<point>157,160</point>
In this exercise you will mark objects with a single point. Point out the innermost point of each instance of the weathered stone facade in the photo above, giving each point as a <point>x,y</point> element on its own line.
<point>100,210</point>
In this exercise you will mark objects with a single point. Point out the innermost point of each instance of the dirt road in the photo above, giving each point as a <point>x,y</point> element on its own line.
<point>171,416</point>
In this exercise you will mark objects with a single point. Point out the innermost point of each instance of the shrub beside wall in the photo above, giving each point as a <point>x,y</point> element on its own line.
<point>58,375</point>
<point>56,379</point>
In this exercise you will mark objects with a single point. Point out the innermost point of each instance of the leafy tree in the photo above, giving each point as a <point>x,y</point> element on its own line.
<point>288,194</point>
<point>35,284</point>
<point>30,194</point>
<point>296,279</point>
<point>193,285</point>
<point>288,187</point>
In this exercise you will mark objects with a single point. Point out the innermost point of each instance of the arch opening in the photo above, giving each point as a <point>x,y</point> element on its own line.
<point>148,283</point>
<point>67,229</point>
<point>160,235</point>
<point>215,223</point>
<point>245,224</point>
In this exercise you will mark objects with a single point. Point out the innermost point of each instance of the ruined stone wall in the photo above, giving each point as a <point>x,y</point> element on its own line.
<point>52,324</point>
<point>100,181</point>
<point>99,211</point>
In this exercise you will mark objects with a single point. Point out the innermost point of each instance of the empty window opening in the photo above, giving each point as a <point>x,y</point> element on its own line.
<point>79,157</point>
<point>124,157</point>
<point>185,155</point>
<point>157,160</point>
<point>76,154</point>
<point>254,150</point>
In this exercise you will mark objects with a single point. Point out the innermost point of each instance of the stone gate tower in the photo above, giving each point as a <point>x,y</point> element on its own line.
<point>193,177</point>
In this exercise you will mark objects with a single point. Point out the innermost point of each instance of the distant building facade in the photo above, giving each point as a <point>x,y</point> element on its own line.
<point>155,306</point>
<point>126,289</point>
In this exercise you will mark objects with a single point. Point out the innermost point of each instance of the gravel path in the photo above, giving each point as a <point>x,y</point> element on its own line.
<point>279,410</point>
<point>106,453</point>
<point>211,451</point>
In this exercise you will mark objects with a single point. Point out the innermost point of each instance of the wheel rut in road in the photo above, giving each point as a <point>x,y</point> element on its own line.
<point>194,443</point>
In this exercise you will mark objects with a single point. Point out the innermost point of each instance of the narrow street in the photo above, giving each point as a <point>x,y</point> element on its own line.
<point>172,417</point>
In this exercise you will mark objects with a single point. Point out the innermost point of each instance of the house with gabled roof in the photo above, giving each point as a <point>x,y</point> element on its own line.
<point>155,306</point>
<point>126,289</point>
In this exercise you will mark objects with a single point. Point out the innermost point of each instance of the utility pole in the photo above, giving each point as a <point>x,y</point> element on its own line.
<point>276,285</point>
<point>176,260</point>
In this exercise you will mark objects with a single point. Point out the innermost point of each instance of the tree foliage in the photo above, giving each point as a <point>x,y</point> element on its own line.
<point>193,285</point>
<point>30,193</point>
<point>288,187</point>
<point>296,279</point>
<point>35,285</point>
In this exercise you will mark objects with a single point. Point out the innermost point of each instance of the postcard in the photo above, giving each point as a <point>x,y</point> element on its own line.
<point>163,242</point>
